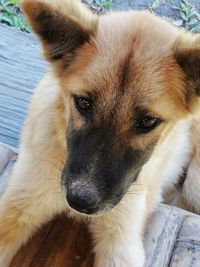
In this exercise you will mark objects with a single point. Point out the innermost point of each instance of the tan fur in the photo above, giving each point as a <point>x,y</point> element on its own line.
<point>152,79</point>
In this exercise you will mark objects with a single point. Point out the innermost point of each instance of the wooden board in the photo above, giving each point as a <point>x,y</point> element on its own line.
<point>187,246</point>
<point>61,243</point>
<point>21,67</point>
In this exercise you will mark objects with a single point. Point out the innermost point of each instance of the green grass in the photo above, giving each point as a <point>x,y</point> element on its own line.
<point>189,16</point>
<point>104,3</point>
<point>10,15</point>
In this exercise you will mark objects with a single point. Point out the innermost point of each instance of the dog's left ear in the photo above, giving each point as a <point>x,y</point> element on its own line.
<point>187,55</point>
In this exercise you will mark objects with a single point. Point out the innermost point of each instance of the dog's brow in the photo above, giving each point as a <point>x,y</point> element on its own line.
<point>124,69</point>
<point>140,111</point>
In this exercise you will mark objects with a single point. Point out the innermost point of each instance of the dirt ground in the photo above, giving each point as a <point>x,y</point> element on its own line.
<point>183,13</point>
<point>162,7</point>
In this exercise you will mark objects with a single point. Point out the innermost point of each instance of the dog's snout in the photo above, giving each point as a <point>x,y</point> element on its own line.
<point>83,199</point>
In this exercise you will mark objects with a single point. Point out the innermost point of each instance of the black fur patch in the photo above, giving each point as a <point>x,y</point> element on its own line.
<point>96,156</point>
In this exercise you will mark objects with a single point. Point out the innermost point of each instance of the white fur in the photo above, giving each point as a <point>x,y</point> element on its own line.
<point>191,187</point>
<point>117,234</point>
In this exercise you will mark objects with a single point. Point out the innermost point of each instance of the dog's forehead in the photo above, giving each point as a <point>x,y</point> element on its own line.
<point>119,29</point>
<point>129,62</point>
<point>134,58</point>
<point>126,49</point>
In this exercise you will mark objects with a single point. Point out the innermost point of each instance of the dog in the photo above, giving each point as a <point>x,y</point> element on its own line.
<point>112,129</point>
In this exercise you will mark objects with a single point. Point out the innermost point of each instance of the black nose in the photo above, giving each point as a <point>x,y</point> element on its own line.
<point>83,200</point>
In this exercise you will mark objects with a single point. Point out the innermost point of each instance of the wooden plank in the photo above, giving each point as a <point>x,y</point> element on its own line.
<point>5,155</point>
<point>7,160</point>
<point>68,244</point>
<point>62,243</point>
<point>187,247</point>
<point>161,234</point>
<point>28,252</point>
<point>21,67</point>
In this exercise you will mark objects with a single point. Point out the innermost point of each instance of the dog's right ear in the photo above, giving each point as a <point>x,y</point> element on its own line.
<point>63,26</point>
<point>186,50</point>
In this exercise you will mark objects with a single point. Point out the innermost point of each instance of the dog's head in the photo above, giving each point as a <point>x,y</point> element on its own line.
<point>125,78</point>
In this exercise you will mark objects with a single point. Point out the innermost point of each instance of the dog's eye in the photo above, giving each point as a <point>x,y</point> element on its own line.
<point>147,123</point>
<point>83,104</point>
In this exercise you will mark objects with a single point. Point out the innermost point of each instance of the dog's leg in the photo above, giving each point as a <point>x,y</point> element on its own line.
<point>32,197</point>
<point>187,196</point>
<point>191,186</point>
<point>118,234</point>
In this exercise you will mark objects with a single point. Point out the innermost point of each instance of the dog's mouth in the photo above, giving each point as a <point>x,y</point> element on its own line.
<point>101,209</point>
<point>82,208</point>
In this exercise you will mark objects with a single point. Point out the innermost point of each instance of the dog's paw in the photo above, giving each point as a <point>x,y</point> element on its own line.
<point>120,260</point>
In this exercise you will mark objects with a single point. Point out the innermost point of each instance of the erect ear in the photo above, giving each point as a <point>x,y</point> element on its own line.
<point>63,26</point>
<point>187,55</point>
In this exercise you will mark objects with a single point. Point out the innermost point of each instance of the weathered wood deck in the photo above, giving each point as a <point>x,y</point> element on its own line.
<point>172,238</point>
<point>21,67</point>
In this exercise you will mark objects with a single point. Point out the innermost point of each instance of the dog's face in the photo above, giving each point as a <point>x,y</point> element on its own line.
<point>126,79</point>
